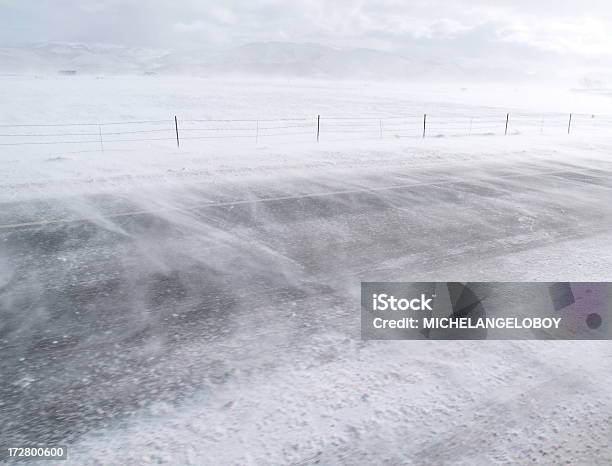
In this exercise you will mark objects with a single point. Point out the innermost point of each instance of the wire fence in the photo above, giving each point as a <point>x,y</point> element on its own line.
<point>177,131</point>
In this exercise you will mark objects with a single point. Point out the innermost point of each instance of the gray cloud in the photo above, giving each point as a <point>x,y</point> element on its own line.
<point>460,28</point>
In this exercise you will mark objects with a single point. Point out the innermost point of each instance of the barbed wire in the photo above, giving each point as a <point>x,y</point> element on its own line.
<point>409,125</point>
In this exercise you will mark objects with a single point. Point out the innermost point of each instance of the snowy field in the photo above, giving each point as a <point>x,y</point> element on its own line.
<point>200,305</point>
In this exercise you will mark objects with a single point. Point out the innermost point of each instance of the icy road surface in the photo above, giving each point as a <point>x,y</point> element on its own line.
<point>193,313</point>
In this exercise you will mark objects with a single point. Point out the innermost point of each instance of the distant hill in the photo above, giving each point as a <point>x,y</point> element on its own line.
<point>283,59</point>
<point>52,58</point>
<point>289,59</point>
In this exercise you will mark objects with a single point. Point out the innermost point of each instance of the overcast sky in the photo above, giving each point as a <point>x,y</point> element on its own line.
<point>567,28</point>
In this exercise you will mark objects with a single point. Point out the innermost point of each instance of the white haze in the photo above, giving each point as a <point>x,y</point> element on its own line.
<point>512,41</point>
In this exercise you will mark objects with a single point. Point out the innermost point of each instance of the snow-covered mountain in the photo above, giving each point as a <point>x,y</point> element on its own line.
<point>51,57</point>
<point>290,59</point>
<point>282,59</point>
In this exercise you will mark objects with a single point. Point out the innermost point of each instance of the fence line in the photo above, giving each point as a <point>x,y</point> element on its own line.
<point>319,127</point>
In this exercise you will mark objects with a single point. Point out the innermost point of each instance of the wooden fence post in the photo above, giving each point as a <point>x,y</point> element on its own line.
<point>569,124</point>
<point>178,144</point>
<point>101,143</point>
<point>424,123</point>
<point>257,132</point>
<point>506,130</point>
<point>318,126</point>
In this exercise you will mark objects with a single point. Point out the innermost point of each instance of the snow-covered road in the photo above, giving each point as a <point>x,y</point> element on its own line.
<point>210,314</point>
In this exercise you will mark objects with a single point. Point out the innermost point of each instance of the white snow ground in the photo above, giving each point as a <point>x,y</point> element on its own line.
<point>286,379</point>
